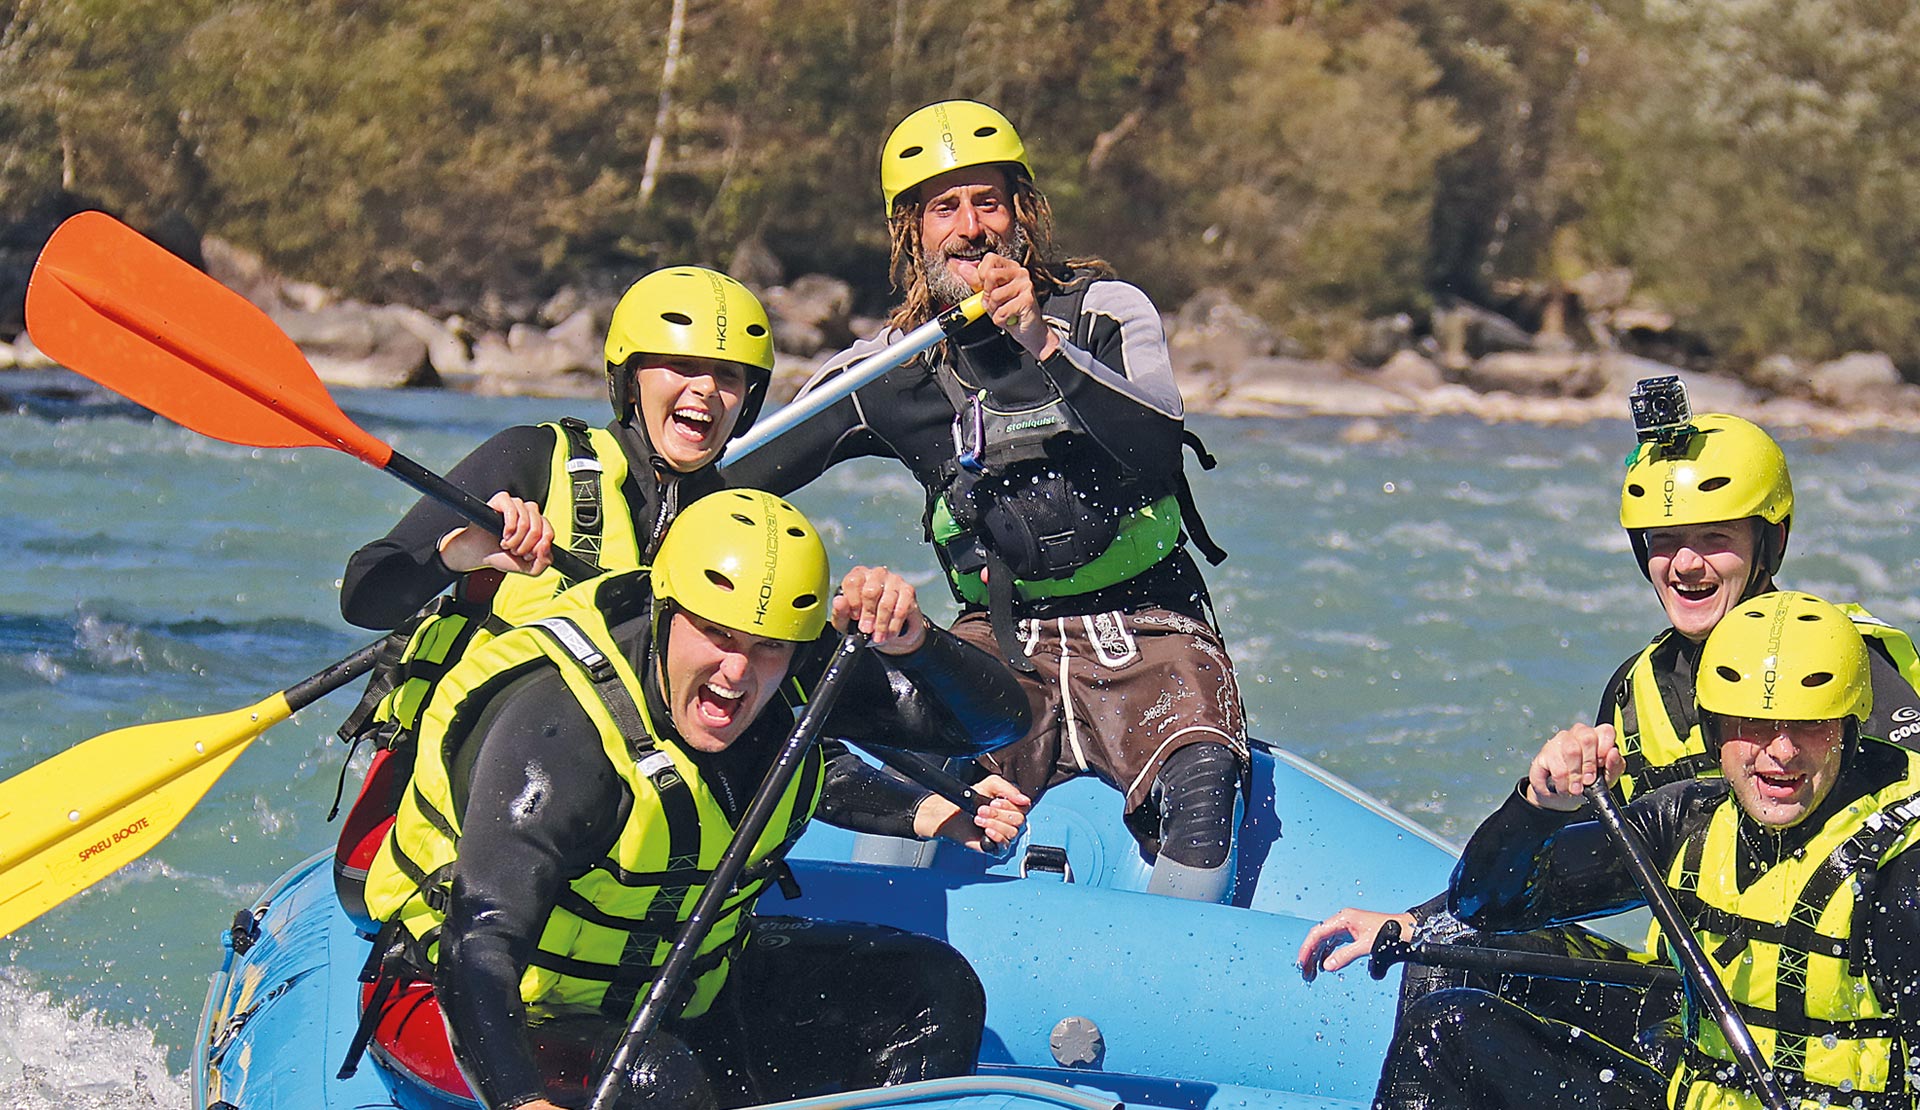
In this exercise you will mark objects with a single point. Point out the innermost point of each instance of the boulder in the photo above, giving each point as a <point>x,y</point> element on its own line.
<point>1409,373</point>
<point>1274,385</point>
<point>1466,332</point>
<point>1211,332</point>
<point>1536,374</point>
<point>811,315</point>
<point>565,361</point>
<point>755,265</point>
<point>360,346</point>
<point>1858,380</point>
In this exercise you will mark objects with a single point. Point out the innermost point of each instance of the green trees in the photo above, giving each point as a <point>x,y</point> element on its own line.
<point>1751,161</point>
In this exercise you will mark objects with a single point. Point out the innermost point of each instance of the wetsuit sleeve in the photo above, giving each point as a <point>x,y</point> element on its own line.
<point>388,580</point>
<point>1896,705</point>
<point>859,796</point>
<point>1893,957</point>
<point>1121,385</point>
<point>835,434</point>
<point>542,807</point>
<point>949,698</point>
<point>1528,868</point>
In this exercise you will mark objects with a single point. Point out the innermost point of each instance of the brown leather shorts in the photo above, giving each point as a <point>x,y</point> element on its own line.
<point>1113,694</point>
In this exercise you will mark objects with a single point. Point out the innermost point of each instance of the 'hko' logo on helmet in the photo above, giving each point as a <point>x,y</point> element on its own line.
<point>765,597</point>
<point>719,310</point>
<point>1771,674</point>
<point>946,133</point>
<point>1667,488</point>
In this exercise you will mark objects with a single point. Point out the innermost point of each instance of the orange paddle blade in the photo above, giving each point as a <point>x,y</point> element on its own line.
<point>109,303</point>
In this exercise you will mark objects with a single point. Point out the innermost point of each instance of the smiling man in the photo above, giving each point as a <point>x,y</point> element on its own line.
<point>577,780</point>
<point>1047,439</point>
<point>1793,869</point>
<point>689,356</point>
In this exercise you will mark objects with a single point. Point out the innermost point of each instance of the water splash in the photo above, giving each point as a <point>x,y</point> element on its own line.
<point>56,1057</point>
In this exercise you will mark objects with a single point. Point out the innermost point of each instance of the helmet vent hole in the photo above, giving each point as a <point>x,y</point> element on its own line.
<point>806,601</point>
<point>1756,614</point>
<point>1728,673</point>
<point>1817,678</point>
<point>1808,617</point>
<point>756,330</point>
<point>984,130</point>
<point>680,318</point>
<point>912,152</point>
<point>720,581</point>
<point>742,518</point>
<point>1636,489</point>
<point>1712,484</point>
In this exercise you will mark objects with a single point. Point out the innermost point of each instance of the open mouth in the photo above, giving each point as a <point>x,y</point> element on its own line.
<point>692,422</point>
<point>1698,591</point>
<point>717,703</point>
<point>1780,786</point>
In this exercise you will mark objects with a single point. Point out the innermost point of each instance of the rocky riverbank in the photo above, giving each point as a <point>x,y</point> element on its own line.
<point>1464,361</point>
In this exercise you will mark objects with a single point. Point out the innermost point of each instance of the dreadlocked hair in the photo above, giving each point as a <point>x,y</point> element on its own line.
<point>1031,213</point>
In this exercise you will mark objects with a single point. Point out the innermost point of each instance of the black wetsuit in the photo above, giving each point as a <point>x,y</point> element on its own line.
<point>1528,868</point>
<point>1132,645</point>
<point>388,580</point>
<point>1613,1012</point>
<point>541,805</point>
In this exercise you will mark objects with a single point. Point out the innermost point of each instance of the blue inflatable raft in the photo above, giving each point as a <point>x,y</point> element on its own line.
<point>1097,993</point>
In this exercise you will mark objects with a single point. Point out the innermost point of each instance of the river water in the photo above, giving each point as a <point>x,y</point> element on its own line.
<point>1414,604</point>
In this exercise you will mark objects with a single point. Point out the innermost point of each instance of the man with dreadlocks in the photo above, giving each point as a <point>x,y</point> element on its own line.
<point>1048,439</point>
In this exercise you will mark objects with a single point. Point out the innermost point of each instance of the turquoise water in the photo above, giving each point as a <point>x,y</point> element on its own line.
<point>1415,610</point>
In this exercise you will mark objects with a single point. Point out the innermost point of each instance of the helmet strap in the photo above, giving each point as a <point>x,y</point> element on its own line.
<point>653,670</point>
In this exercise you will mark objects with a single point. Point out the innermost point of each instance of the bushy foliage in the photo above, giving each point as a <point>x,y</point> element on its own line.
<point>1751,160</point>
<point>1772,174</point>
<point>1307,169</point>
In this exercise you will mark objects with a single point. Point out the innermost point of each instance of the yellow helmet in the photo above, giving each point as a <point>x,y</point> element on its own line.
<point>1727,470</point>
<point>1785,656</point>
<point>693,312</point>
<point>946,136</point>
<point>749,561</point>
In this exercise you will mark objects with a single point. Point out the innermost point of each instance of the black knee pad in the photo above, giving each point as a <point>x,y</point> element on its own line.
<point>1195,791</point>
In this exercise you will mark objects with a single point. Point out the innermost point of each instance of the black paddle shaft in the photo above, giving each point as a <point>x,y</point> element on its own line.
<point>1389,949</point>
<point>1707,988</point>
<point>476,510</point>
<point>309,690</point>
<point>666,981</point>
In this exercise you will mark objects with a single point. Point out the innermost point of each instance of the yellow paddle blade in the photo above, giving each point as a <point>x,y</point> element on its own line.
<point>72,820</point>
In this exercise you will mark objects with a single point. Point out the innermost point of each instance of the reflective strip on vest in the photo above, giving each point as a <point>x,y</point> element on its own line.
<point>1785,947</point>
<point>1147,535</point>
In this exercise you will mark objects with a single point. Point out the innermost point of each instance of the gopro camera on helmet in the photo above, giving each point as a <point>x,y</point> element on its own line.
<point>1661,412</point>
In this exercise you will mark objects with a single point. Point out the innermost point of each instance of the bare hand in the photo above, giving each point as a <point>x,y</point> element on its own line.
<point>996,823</point>
<point>525,543</point>
<point>1570,763</point>
<point>1344,938</point>
<point>1011,304</point>
<point>883,604</point>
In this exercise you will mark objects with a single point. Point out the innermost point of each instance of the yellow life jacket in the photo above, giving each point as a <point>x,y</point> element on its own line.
<point>1787,949</point>
<point>586,473</point>
<point>613,926</point>
<point>1644,720</point>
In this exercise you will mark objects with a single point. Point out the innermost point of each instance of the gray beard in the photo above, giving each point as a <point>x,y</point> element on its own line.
<point>945,288</point>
